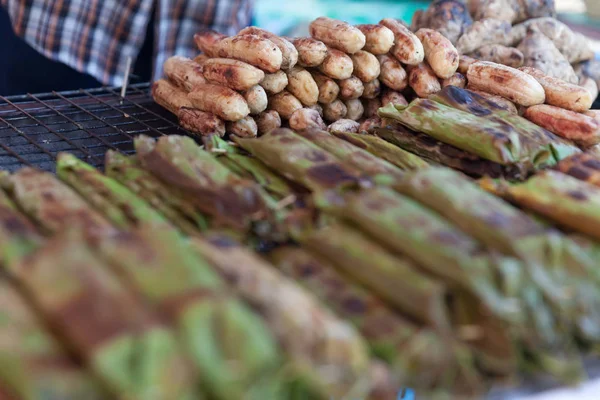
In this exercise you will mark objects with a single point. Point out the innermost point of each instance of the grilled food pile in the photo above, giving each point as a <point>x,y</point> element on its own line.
<point>295,265</point>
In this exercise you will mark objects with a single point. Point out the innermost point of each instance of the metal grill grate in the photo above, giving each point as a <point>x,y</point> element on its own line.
<point>87,123</point>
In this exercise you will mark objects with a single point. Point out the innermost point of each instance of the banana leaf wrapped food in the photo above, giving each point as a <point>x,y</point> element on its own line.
<point>473,103</point>
<point>568,201</point>
<point>489,139</point>
<point>197,176</point>
<point>32,363</point>
<point>180,212</point>
<point>327,351</point>
<point>421,358</point>
<point>437,152</point>
<point>121,341</point>
<point>382,149</point>
<point>583,166</point>
<point>302,161</point>
<point>399,283</point>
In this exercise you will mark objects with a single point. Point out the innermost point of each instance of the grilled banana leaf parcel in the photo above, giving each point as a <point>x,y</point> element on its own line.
<point>229,344</point>
<point>437,152</point>
<point>302,161</point>
<point>32,364</point>
<point>473,103</point>
<point>549,258</point>
<point>401,158</point>
<point>121,341</point>
<point>417,355</point>
<point>181,213</point>
<point>327,351</point>
<point>354,154</point>
<point>583,166</point>
<point>200,178</point>
<point>561,198</point>
<point>486,138</point>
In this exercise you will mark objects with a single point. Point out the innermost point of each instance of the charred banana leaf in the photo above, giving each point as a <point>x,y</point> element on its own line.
<point>32,364</point>
<point>181,213</point>
<point>583,166</point>
<point>418,357</point>
<point>380,170</point>
<point>382,149</point>
<point>120,340</point>
<point>473,103</point>
<point>437,152</point>
<point>201,179</point>
<point>494,141</point>
<point>325,350</point>
<point>118,204</point>
<point>302,161</point>
<point>53,205</point>
<point>230,345</point>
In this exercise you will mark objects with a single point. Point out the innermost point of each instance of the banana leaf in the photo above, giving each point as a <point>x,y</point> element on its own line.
<point>53,205</point>
<point>198,177</point>
<point>382,171</point>
<point>32,364</point>
<point>382,149</point>
<point>120,340</point>
<point>181,213</point>
<point>115,201</point>
<point>419,357</point>
<point>331,356</point>
<point>494,141</point>
<point>582,166</point>
<point>436,152</point>
<point>230,345</point>
<point>475,104</point>
<point>302,161</point>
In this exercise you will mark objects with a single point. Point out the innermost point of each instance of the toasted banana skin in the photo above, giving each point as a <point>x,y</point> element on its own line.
<point>355,109</point>
<point>372,89</point>
<point>371,107</point>
<point>408,48</point>
<point>595,114</point>
<point>268,120</point>
<point>285,104</point>
<point>458,80</point>
<point>392,75</point>
<point>369,124</point>
<point>506,104</point>
<point>318,108</point>
<point>515,85</point>
<point>590,85</point>
<point>366,66</point>
<point>170,96</point>
<point>440,53</point>
<point>423,80</point>
<point>245,127</point>
<point>311,52</point>
<point>302,85</point>
<point>219,100</point>
<point>255,50</point>
<point>306,118</point>
<point>234,74</point>
<point>351,88</point>
<point>396,98</point>
<point>183,72</point>
<point>500,54</point>
<point>201,122</point>
<point>582,129</point>
<point>337,34</point>
<point>207,40</point>
<point>344,125</point>
<point>257,99</point>
<point>337,65</point>
<point>379,39</point>
<point>560,93</point>
<point>334,111</point>
<point>464,63</point>
<point>274,83</point>
<point>288,51</point>
<point>328,89</point>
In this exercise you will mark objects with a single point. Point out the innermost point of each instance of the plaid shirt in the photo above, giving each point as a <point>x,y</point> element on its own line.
<point>97,36</point>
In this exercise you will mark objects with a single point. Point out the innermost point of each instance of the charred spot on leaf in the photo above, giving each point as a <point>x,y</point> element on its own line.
<point>350,139</point>
<point>577,195</point>
<point>354,305</point>
<point>579,173</point>
<point>223,242</point>
<point>447,238</point>
<point>592,163</point>
<point>307,270</point>
<point>331,174</point>
<point>316,155</point>
<point>13,224</point>
<point>429,105</point>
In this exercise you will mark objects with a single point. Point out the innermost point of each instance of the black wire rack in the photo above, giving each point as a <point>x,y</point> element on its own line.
<point>86,123</point>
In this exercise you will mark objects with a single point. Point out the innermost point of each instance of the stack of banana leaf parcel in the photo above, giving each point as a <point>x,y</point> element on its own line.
<point>304,265</point>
